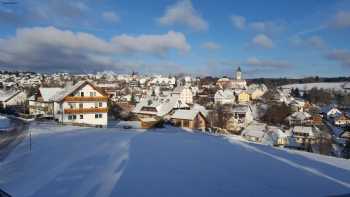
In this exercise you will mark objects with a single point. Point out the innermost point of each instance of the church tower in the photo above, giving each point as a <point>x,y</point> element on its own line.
<point>238,73</point>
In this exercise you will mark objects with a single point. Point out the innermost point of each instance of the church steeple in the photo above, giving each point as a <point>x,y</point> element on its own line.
<point>238,73</point>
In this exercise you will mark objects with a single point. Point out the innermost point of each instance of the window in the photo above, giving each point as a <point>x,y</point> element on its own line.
<point>100,104</point>
<point>72,105</point>
<point>81,93</point>
<point>92,93</point>
<point>72,117</point>
<point>96,105</point>
<point>81,105</point>
<point>81,116</point>
<point>98,116</point>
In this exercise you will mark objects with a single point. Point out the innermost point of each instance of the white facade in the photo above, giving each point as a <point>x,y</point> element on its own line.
<point>82,105</point>
<point>224,97</point>
<point>185,94</point>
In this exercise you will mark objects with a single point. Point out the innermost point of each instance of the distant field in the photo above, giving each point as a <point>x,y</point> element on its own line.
<point>325,85</point>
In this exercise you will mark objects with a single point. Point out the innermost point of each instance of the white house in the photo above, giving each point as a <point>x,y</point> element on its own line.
<point>83,104</point>
<point>303,135</point>
<point>158,106</point>
<point>12,98</point>
<point>254,132</point>
<point>243,113</point>
<point>42,104</point>
<point>330,112</point>
<point>224,97</point>
<point>278,137</point>
<point>184,93</point>
<point>256,91</point>
<point>299,118</point>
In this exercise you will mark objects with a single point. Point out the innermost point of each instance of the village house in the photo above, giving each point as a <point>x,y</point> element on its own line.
<point>160,107</point>
<point>184,93</point>
<point>278,137</point>
<point>243,97</point>
<point>10,99</point>
<point>224,97</point>
<point>192,119</point>
<point>303,135</point>
<point>82,104</point>
<point>297,105</point>
<point>243,113</point>
<point>41,103</point>
<point>330,112</point>
<point>256,91</point>
<point>316,120</point>
<point>299,118</point>
<point>342,120</point>
<point>255,132</point>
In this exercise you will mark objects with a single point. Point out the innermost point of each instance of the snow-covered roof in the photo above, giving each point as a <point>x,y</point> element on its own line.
<point>185,114</point>
<point>200,108</point>
<point>48,94</point>
<point>277,132</point>
<point>163,105</point>
<point>299,116</point>
<point>227,94</point>
<point>255,130</point>
<point>69,90</point>
<point>241,109</point>
<point>253,87</point>
<point>6,95</point>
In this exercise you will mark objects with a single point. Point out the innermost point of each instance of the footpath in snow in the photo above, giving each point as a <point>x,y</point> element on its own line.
<point>76,161</point>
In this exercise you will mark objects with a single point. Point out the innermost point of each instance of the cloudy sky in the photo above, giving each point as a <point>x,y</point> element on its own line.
<point>203,37</point>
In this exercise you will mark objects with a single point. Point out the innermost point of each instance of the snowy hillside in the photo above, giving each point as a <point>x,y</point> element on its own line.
<point>75,161</point>
<point>338,86</point>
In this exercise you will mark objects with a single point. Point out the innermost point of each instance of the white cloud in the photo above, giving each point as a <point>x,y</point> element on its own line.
<point>238,22</point>
<point>183,13</point>
<point>341,19</point>
<point>211,46</point>
<point>110,16</point>
<point>268,27</point>
<point>263,41</point>
<point>158,44</point>
<point>49,48</point>
<point>340,55</point>
<point>253,61</point>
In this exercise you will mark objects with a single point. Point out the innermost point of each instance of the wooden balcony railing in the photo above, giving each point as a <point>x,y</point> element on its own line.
<point>86,98</point>
<point>85,110</point>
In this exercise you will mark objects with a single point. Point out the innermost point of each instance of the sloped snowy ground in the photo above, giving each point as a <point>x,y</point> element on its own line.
<point>75,161</point>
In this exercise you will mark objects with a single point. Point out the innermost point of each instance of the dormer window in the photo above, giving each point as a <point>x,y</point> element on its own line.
<point>81,94</point>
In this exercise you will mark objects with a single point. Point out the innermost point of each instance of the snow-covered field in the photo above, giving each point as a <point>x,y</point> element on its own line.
<point>76,161</point>
<point>338,86</point>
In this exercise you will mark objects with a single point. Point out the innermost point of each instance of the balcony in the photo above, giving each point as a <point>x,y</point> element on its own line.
<point>86,98</point>
<point>85,110</point>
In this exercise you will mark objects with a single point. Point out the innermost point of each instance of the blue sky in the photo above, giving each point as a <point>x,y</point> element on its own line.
<point>276,38</point>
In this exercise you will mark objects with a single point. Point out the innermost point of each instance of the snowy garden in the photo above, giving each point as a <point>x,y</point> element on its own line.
<point>81,161</point>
